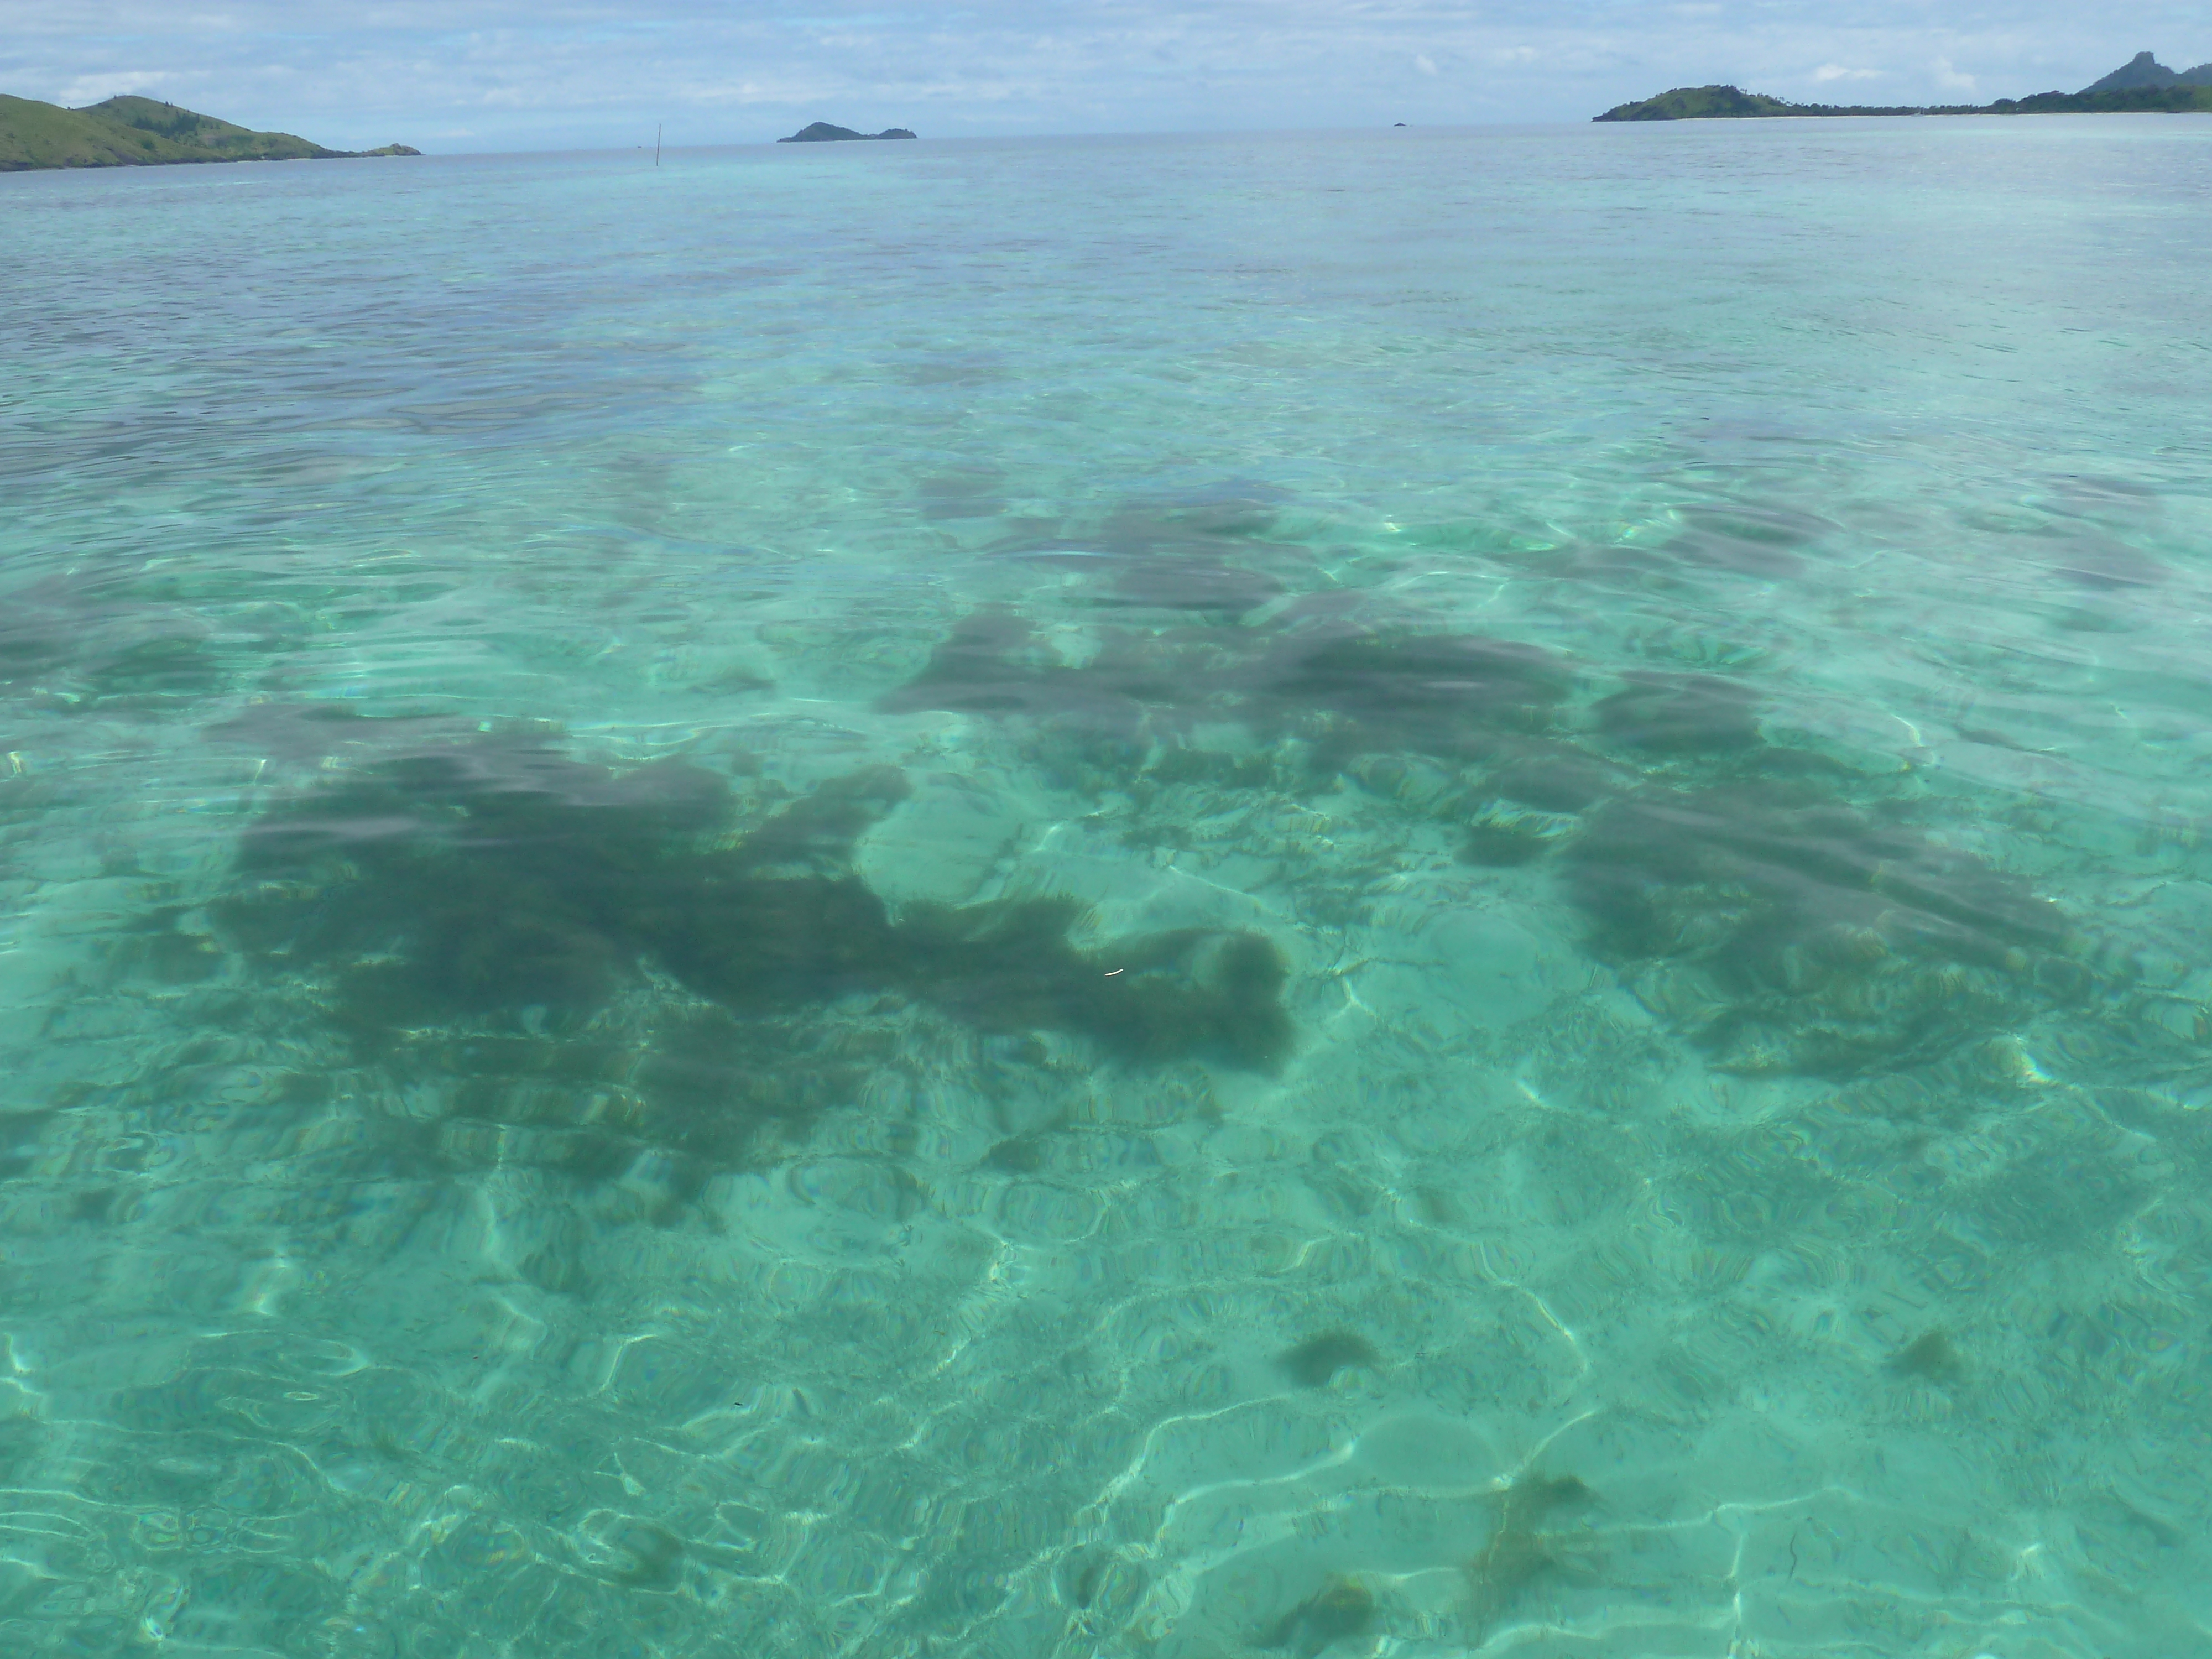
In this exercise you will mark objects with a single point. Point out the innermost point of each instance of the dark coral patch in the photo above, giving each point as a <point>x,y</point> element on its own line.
<point>1314,1363</point>
<point>1157,997</point>
<point>1349,691</point>
<point>1446,695</point>
<point>507,893</point>
<point>1746,540</point>
<point>1556,781</point>
<point>1340,1611</point>
<point>1681,715</point>
<point>1790,933</point>
<point>1502,843</point>
<point>992,663</point>
<point>1931,1357</point>
<point>1524,1549</point>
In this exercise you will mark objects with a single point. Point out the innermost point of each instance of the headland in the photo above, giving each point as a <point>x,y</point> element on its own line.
<point>2142,85</point>
<point>132,132</point>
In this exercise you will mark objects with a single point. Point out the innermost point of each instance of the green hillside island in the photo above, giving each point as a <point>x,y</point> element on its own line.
<point>134,132</point>
<point>2143,85</point>
<point>821,132</point>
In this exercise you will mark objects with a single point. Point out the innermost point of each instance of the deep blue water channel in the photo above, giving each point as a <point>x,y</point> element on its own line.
<point>1377,894</point>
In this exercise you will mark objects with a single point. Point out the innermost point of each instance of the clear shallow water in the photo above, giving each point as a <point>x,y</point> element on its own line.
<point>650,822</point>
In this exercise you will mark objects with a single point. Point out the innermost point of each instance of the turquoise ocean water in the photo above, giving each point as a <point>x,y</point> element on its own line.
<point>1403,894</point>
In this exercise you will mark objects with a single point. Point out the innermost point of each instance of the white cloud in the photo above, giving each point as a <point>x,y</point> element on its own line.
<point>1423,62</point>
<point>96,88</point>
<point>1951,81</point>
<point>1838,72</point>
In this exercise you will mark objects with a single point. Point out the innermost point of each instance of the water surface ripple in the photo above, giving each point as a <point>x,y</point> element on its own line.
<point>1415,893</point>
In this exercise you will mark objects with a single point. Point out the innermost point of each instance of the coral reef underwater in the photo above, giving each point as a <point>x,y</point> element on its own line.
<point>478,905</point>
<point>1774,905</point>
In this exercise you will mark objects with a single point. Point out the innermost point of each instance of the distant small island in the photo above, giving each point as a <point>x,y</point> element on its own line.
<point>140,132</point>
<point>2142,85</point>
<point>823,133</point>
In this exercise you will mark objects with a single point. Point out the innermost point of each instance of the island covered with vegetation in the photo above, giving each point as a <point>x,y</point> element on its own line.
<point>131,132</point>
<point>824,132</point>
<point>2143,85</point>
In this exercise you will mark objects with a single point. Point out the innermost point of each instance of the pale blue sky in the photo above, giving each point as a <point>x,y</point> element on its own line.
<point>480,75</point>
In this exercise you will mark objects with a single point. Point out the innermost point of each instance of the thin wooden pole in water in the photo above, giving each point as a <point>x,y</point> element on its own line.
<point>656,143</point>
